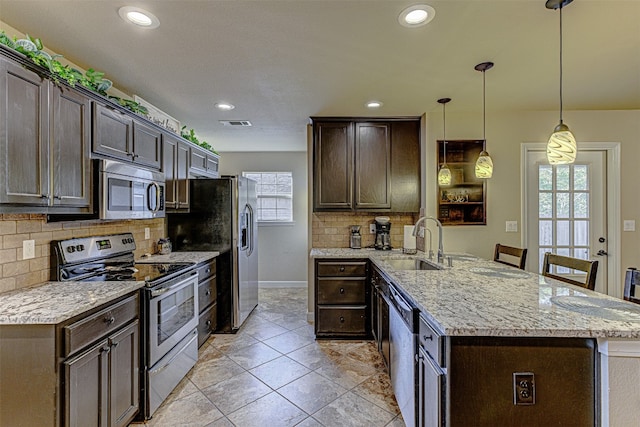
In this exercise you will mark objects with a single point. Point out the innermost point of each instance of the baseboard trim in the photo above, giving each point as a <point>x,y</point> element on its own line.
<point>278,284</point>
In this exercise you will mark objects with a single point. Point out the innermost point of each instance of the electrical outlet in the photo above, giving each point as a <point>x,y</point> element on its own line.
<point>511,226</point>
<point>524,388</point>
<point>372,228</point>
<point>147,233</point>
<point>629,225</point>
<point>28,249</point>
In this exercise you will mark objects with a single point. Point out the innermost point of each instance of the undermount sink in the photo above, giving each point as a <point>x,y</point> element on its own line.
<point>411,264</point>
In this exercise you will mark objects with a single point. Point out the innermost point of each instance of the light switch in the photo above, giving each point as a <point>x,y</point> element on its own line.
<point>629,225</point>
<point>147,233</point>
<point>28,249</point>
<point>512,226</point>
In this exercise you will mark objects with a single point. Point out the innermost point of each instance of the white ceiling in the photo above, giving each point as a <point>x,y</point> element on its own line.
<point>281,61</point>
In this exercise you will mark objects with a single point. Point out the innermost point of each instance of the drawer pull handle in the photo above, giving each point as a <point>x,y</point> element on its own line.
<point>341,268</point>
<point>208,270</point>
<point>341,319</point>
<point>207,293</point>
<point>208,323</point>
<point>109,320</point>
<point>342,290</point>
<point>427,338</point>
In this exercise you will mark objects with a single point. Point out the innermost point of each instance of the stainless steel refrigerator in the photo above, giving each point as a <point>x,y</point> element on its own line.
<point>222,218</point>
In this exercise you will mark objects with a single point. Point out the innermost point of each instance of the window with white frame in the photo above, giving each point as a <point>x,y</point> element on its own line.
<point>275,196</point>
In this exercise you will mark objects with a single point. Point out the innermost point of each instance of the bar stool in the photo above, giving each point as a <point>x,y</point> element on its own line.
<point>517,257</point>
<point>589,267</point>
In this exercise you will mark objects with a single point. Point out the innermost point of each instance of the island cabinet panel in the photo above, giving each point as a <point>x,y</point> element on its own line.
<point>342,295</point>
<point>24,136</point>
<point>362,164</point>
<point>333,165</point>
<point>481,386</point>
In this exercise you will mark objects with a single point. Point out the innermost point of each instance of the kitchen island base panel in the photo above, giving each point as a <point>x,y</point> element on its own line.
<point>481,382</point>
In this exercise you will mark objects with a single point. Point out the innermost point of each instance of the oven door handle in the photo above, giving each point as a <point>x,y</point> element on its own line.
<point>177,286</point>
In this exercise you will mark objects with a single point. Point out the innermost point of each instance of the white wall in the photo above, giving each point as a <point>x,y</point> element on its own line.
<point>505,133</point>
<point>282,250</point>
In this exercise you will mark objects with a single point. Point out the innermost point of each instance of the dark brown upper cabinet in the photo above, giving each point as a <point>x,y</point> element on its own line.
<point>117,135</point>
<point>366,164</point>
<point>175,165</point>
<point>45,139</point>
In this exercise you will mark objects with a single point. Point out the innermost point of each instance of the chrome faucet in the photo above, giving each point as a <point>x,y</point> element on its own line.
<point>440,245</point>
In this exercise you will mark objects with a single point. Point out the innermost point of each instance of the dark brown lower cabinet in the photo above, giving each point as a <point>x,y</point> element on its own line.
<point>207,299</point>
<point>101,380</point>
<point>379,303</point>
<point>101,384</point>
<point>342,293</point>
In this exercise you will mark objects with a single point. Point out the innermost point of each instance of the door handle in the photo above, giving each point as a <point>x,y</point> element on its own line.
<point>602,252</point>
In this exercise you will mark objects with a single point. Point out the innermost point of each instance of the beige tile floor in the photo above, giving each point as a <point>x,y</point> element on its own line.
<point>274,373</point>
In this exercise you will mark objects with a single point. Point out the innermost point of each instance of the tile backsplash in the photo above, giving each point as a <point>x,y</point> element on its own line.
<point>16,272</point>
<point>333,229</point>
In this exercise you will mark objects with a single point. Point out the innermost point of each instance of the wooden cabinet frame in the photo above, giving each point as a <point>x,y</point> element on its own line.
<point>464,201</point>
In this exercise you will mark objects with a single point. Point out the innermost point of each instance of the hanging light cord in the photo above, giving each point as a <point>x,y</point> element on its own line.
<point>444,130</point>
<point>560,64</point>
<point>484,107</point>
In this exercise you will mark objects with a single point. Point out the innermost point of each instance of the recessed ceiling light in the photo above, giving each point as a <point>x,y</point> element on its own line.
<point>224,106</point>
<point>373,104</point>
<point>416,15</point>
<point>139,17</point>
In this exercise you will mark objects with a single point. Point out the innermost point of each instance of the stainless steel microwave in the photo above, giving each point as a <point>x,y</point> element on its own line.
<point>130,192</point>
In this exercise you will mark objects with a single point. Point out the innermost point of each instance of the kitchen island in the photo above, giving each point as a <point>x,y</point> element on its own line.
<point>478,303</point>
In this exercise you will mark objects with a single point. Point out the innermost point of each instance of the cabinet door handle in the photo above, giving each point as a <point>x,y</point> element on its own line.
<point>105,349</point>
<point>341,268</point>
<point>208,323</point>
<point>109,320</point>
<point>342,290</point>
<point>115,344</point>
<point>208,270</point>
<point>207,293</point>
<point>427,338</point>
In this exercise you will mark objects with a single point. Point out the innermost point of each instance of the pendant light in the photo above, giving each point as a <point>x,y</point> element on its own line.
<point>562,147</point>
<point>484,164</point>
<point>444,174</point>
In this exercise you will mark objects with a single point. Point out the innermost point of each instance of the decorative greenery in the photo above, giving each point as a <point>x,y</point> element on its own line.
<point>191,136</point>
<point>92,79</point>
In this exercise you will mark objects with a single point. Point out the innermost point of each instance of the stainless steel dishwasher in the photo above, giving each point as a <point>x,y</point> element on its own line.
<point>402,318</point>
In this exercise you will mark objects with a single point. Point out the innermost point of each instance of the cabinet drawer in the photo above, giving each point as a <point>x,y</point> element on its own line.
<point>207,323</point>
<point>206,292</point>
<point>430,340</point>
<point>344,268</point>
<point>341,320</point>
<point>206,270</point>
<point>83,332</point>
<point>341,291</point>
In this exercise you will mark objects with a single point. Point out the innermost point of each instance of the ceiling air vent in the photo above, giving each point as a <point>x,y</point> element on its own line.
<point>242,123</point>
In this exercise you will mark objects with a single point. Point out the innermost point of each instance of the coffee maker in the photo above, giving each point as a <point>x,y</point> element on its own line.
<point>355,241</point>
<point>383,239</point>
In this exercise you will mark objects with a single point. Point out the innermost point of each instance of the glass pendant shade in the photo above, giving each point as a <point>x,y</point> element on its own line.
<point>484,165</point>
<point>562,147</point>
<point>444,175</point>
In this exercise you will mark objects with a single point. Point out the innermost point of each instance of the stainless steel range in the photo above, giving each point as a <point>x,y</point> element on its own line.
<point>169,306</point>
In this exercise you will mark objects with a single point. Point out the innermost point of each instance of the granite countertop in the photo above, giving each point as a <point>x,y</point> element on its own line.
<point>53,302</point>
<point>174,257</point>
<point>477,297</point>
